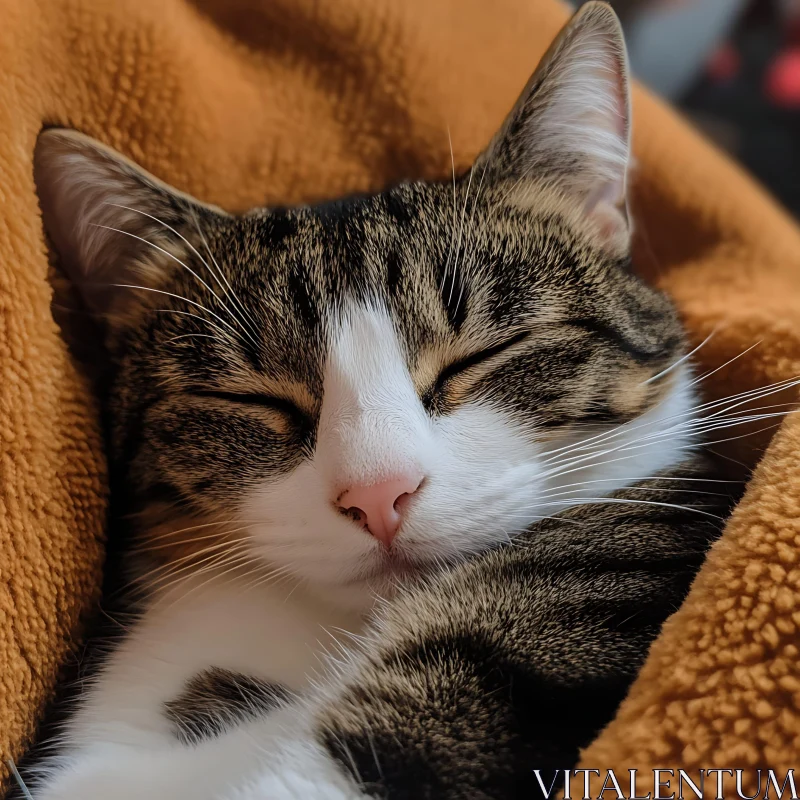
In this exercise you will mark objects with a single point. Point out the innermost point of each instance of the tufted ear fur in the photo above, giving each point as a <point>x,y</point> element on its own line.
<point>112,224</point>
<point>570,126</point>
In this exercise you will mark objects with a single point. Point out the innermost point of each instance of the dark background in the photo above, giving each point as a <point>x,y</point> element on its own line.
<point>733,67</point>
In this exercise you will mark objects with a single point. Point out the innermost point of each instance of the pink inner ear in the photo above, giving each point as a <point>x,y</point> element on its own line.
<point>605,206</point>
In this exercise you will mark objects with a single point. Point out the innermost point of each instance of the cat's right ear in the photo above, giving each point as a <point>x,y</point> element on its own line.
<point>113,225</point>
<point>570,127</point>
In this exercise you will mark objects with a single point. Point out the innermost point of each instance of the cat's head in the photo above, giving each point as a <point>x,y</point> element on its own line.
<point>365,386</point>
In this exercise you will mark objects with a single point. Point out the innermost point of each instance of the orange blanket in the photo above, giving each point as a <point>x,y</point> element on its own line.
<point>243,102</point>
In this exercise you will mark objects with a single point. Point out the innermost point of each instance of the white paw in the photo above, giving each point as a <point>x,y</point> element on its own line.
<point>121,772</point>
<point>301,771</point>
<point>263,761</point>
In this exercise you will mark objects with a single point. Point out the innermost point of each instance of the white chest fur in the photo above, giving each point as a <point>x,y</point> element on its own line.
<point>278,633</point>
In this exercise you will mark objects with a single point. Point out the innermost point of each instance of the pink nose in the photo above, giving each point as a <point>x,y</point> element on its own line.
<point>379,507</point>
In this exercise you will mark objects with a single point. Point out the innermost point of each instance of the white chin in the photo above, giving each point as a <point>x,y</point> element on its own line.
<point>366,586</point>
<point>359,597</point>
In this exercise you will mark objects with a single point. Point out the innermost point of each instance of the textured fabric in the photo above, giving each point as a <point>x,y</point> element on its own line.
<point>243,102</point>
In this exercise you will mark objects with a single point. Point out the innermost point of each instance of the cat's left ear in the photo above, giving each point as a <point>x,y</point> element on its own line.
<point>571,124</point>
<point>119,231</point>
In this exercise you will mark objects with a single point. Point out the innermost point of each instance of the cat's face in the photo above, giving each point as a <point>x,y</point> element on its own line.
<point>362,388</point>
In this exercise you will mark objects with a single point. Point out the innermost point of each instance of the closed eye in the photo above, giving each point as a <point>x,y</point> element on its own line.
<point>261,400</point>
<point>465,364</point>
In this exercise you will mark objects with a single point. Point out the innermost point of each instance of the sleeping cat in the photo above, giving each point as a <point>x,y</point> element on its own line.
<point>412,479</point>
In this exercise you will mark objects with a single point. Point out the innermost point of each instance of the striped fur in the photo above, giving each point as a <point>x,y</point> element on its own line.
<point>486,333</point>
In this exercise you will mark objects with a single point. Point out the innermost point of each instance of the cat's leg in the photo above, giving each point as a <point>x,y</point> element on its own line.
<point>300,769</point>
<point>272,633</point>
<point>128,729</point>
<point>274,758</point>
<point>102,771</point>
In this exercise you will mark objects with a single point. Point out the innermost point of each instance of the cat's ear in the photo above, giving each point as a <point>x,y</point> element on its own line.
<point>571,124</point>
<point>112,224</point>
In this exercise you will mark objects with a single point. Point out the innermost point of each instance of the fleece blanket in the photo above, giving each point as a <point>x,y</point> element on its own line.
<point>244,102</point>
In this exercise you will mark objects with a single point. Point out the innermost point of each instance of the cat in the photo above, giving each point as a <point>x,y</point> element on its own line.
<point>411,479</point>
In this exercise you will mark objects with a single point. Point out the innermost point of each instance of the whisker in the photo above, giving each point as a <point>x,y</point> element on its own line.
<point>193,248</point>
<point>728,458</point>
<point>276,575</point>
<point>578,464</point>
<point>653,478</point>
<point>453,229</point>
<point>343,745</point>
<point>245,313</point>
<point>178,297</point>
<point>551,494</point>
<point>232,563</point>
<point>18,778</point>
<point>177,566</point>
<point>458,241</point>
<point>298,583</point>
<point>198,539</point>
<point>745,435</point>
<point>471,227</point>
<point>374,754</point>
<point>178,261</point>
<point>194,336</point>
<point>179,531</point>
<point>744,397</point>
<point>213,324</point>
<point>756,397</point>
<point>213,554</point>
<point>681,360</point>
<point>722,366</point>
<point>695,427</point>
<point>629,501</point>
<point>693,446</point>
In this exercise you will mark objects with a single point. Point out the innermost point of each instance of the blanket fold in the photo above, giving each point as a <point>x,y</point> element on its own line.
<point>246,102</point>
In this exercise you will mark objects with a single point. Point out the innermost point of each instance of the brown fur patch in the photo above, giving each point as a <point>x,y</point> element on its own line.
<point>218,699</point>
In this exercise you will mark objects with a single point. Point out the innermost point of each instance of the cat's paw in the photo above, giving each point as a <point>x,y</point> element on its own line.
<point>235,766</point>
<point>291,785</point>
<point>106,771</point>
<point>302,771</point>
<point>80,785</point>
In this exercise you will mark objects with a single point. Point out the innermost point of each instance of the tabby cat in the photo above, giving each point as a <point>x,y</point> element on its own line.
<point>413,479</point>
